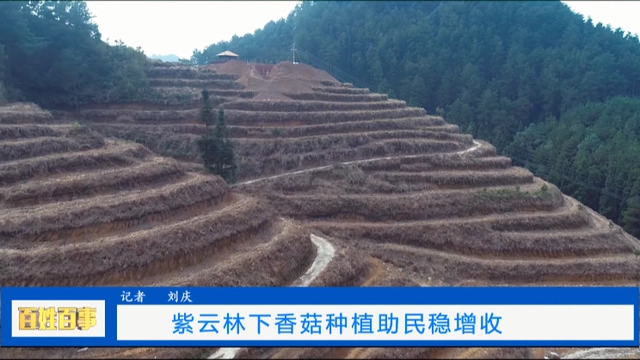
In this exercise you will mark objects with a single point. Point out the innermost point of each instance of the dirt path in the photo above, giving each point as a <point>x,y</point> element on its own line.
<point>603,223</point>
<point>475,147</point>
<point>324,255</point>
<point>605,353</point>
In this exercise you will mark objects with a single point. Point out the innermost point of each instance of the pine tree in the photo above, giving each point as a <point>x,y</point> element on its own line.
<point>216,150</point>
<point>206,113</point>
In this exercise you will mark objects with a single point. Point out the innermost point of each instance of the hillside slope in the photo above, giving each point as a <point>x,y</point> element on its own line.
<point>77,209</point>
<point>495,68</point>
<point>405,192</point>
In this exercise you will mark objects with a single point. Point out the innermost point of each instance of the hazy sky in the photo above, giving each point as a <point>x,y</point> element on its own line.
<point>179,27</point>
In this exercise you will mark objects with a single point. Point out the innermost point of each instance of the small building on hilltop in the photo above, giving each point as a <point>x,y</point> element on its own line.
<point>226,55</point>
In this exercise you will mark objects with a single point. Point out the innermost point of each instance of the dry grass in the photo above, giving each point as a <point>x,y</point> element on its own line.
<point>266,147</point>
<point>253,161</point>
<point>75,186</point>
<point>348,268</point>
<point>340,90</point>
<point>557,221</point>
<point>487,150</point>
<point>198,83</point>
<point>176,97</point>
<point>245,94</point>
<point>193,92</point>
<point>432,205</point>
<point>8,132</point>
<point>114,154</point>
<point>162,64</point>
<point>446,353</point>
<point>319,96</point>
<point>136,255</point>
<point>18,113</point>
<point>565,220</point>
<point>421,123</point>
<point>21,149</point>
<point>238,117</point>
<point>126,116</point>
<point>477,239</point>
<point>304,106</point>
<point>181,146</point>
<point>455,268</point>
<point>276,263</point>
<point>181,128</point>
<point>433,162</point>
<point>461,179</point>
<point>433,124</point>
<point>273,155</point>
<point>38,220</point>
<point>265,132</point>
<point>187,73</point>
<point>76,139</point>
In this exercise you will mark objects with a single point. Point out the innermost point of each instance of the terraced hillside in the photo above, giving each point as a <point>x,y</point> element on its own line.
<point>403,197</point>
<point>278,122</point>
<point>78,209</point>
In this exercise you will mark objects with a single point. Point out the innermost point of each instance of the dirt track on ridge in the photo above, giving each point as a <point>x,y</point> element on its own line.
<point>476,146</point>
<point>325,254</point>
<point>599,222</point>
<point>326,251</point>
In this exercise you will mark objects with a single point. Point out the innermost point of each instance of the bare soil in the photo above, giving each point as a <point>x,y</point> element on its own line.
<point>403,199</point>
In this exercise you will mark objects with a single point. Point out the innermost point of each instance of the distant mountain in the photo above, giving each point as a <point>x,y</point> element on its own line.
<point>166,58</point>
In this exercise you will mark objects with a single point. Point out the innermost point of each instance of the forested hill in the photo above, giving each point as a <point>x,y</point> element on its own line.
<point>495,68</point>
<point>51,53</point>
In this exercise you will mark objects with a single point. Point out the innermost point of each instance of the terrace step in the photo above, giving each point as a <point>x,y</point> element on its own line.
<point>198,83</point>
<point>320,96</point>
<point>13,132</point>
<point>42,220</point>
<point>134,255</point>
<point>239,117</point>
<point>283,251</point>
<point>435,204</point>
<point>270,132</point>
<point>311,106</point>
<point>354,139</point>
<point>435,162</point>
<point>114,153</point>
<point>186,73</point>
<point>214,92</point>
<point>19,149</point>
<point>565,218</point>
<point>340,90</point>
<point>565,270</point>
<point>79,185</point>
<point>452,179</point>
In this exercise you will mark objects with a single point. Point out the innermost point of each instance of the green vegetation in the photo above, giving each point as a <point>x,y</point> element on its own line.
<point>593,154</point>
<point>216,150</point>
<point>555,92</point>
<point>494,67</point>
<point>51,53</point>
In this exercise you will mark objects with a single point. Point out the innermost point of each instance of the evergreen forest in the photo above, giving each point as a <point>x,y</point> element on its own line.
<point>549,88</point>
<point>52,53</point>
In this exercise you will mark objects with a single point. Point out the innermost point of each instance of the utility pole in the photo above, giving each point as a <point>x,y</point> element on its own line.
<point>294,52</point>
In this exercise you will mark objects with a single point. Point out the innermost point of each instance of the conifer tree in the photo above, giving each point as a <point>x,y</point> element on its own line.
<point>216,150</point>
